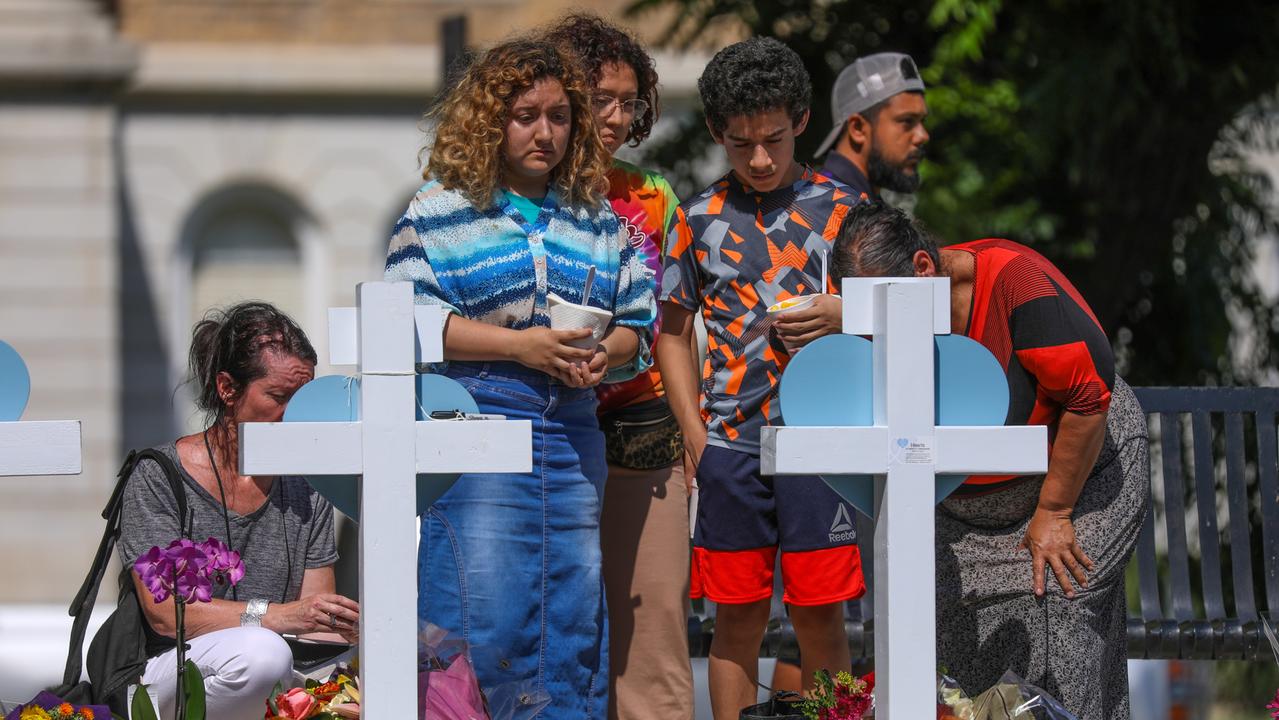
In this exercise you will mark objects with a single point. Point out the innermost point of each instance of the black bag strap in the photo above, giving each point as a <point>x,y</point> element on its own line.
<point>82,606</point>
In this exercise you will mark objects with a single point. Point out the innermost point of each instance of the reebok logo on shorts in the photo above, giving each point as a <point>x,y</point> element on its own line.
<point>841,530</point>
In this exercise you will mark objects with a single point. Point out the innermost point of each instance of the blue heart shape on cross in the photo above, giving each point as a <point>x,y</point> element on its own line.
<point>831,383</point>
<point>15,384</point>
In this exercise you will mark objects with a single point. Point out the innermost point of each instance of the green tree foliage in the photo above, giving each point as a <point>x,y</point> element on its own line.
<point>1109,134</point>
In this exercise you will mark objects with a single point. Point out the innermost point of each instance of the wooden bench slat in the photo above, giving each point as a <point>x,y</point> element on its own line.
<point>1237,498</point>
<point>1206,504</point>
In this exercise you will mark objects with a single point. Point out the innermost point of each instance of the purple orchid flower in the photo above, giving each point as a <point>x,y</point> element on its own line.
<point>188,570</point>
<point>155,569</point>
<point>193,586</point>
<point>225,566</point>
<point>186,556</point>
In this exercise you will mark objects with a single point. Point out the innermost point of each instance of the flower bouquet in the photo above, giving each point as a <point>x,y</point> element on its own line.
<point>842,697</point>
<point>1012,698</point>
<point>337,699</point>
<point>47,706</point>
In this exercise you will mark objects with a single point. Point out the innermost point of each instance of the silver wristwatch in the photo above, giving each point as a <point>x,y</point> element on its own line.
<point>253,612</point>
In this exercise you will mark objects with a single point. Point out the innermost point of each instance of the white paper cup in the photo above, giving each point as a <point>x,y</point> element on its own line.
<point>571,316</point>
<point>789,305</point>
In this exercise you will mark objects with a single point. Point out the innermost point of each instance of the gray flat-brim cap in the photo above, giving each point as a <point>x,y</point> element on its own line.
<point>867,82</point>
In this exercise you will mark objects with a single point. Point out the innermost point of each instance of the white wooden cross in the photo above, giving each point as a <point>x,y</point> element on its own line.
<point>388,447</point>
<point>39,447</point>
<point>904,450</point>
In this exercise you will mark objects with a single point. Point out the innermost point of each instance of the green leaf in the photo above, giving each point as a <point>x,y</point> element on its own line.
<point>194,691</point>
<point>141,707</point>
<point>270,700</point>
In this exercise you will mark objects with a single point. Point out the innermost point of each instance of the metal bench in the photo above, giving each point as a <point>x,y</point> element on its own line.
<point>1215,512</point>
<point>1223,441</point>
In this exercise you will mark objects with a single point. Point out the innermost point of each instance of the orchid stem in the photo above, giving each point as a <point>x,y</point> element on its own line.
<point>179,616</point>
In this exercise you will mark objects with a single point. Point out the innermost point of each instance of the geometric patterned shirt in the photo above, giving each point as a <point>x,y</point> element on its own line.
<point>736,252</point>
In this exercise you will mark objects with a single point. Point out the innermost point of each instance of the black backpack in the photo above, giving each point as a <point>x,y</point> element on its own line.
<point>119,652</point>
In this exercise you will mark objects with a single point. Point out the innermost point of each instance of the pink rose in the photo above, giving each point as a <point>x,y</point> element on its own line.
<point>297,704</point>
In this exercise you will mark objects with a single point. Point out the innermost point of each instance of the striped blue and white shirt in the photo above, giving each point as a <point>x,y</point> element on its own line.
<point>493,266</point>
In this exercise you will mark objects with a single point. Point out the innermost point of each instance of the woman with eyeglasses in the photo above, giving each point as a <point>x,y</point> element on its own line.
<point>644,528</point>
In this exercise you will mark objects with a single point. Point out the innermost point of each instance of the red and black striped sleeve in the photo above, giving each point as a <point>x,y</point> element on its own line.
<point>1055,339</point>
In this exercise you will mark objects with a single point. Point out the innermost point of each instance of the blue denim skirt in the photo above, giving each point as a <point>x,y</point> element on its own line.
<point>512,561</point>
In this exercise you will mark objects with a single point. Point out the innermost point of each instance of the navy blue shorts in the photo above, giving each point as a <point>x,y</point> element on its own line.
<point>744,518</point>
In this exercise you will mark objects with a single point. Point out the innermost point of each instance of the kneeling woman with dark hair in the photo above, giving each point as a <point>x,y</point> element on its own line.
<point>246,363</point>
<point>1030,570</point>
<point>513,212</point>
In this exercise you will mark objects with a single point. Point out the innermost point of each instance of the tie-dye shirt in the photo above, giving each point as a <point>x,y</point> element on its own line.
<point>645,206</point>
<point>736,252</point>
<point>495,267</point>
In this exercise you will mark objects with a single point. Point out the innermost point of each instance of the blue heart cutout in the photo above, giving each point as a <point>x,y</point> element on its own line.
<point>15,384</point>
<point>336,398</point>
<point>830,383</point>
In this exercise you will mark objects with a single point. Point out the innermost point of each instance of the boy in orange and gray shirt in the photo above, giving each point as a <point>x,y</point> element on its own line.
<point>754,238</point>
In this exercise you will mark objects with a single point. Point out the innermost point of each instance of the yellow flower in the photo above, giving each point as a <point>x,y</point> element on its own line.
<point>34,712</point>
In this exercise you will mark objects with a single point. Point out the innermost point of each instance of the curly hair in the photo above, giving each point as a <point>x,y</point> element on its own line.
<point>471,124</point>
<point>751,77</point>
<point>598,43</point>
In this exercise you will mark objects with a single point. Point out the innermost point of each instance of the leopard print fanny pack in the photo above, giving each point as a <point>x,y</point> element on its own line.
<point>644,436</point>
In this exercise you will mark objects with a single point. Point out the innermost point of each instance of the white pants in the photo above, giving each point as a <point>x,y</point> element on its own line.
<point>240,667</point>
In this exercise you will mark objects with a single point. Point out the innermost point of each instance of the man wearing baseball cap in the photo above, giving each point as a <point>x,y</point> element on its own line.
<point>878,136</point>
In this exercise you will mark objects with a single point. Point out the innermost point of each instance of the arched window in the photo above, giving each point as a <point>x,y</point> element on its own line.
<point>244,242</point>
<point>246,252</point>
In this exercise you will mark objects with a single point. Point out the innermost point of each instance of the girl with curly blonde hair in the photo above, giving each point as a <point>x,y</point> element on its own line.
<point>512,218</point>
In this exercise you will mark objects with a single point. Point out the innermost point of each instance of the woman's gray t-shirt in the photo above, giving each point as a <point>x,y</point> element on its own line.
<point>278,542</point>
